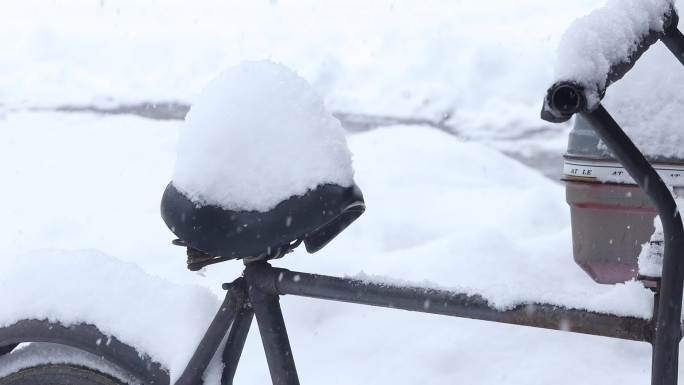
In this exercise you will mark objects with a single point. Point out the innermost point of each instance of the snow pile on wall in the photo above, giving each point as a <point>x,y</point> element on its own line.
<point>159,318</point>
<point>257,135</point>
<point>606,37</point>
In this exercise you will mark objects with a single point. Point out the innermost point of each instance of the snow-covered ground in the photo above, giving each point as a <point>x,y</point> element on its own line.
<point>481,67</point>
<point>443,210</point>
<point>477,68</point>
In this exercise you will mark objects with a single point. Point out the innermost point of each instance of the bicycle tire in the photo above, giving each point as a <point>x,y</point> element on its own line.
<point>59,374</point>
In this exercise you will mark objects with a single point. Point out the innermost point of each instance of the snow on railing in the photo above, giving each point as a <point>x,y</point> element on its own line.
<point>600,48</point>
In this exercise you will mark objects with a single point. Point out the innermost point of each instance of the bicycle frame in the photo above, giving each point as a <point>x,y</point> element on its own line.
<point>257,292</point>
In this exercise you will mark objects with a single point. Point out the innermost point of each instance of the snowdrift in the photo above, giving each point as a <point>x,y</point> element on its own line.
<point>441,212</point>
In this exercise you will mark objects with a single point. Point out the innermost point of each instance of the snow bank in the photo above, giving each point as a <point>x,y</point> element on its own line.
<point>417,59</point>
<point>605,38</point>
<point>648,104</point>
<point>440,211</point>
<point>458,215</point>
<point>257,135</point>
<point>164,320</point>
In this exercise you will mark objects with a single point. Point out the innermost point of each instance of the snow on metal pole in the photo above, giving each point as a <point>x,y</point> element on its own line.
<point>669,309</point>
<point>455,304</point>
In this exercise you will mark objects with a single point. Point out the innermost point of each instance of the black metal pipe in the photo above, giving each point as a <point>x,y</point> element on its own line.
<point>235,343</point>
<point>563,99</point>
<point>266,304</point>
<point>674,41</point>
<point>567,96</point>
<point>457,304</point>
<point>668,325</point>
<point>7,349</point>
<point>235,297</point>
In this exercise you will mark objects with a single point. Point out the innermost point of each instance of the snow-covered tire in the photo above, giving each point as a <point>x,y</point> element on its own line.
<point>59,374</point>
<point>80,345</point>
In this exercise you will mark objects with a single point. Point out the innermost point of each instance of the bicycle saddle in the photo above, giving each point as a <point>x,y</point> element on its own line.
<point>217,234</point>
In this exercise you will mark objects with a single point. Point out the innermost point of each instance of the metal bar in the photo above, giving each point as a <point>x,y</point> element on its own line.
<point>266,304</point>
<point>667,324</point>
<point>235,343</point>
<point>192,375</point>
<point>674,41</point>
<point>567,97</point>
<point>457,305</point>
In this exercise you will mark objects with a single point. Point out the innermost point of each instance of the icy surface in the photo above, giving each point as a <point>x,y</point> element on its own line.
<point>257,135</point>
<point>604,38</point>
<point>440,211</point>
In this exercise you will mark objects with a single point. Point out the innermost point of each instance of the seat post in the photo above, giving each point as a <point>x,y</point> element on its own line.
<point>235,298</point>
<point>235,342</point>
<point>266,304</point>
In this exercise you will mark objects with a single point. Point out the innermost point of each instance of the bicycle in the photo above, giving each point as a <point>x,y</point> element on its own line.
<point>322,214</point>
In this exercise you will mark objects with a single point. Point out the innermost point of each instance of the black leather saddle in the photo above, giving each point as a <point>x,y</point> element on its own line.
<point>213,234</point>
